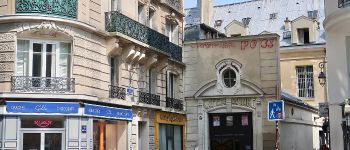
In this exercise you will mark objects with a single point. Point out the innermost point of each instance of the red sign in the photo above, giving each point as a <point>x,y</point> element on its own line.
<point>43,123</point>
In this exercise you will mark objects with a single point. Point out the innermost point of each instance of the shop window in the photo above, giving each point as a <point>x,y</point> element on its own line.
<point>43,58</point>
<point>305,81</point>
<point>303,36</point>
<point>170,137</point>
<point>109,134</point>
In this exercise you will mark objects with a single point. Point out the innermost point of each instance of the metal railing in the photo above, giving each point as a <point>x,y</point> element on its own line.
<point>117,92</point>
<point>174,103</point>
<point>64,8</point>
<point>42,84</point>
<point>149,98</point>
<point>117,22</point>
<point>343,3</point>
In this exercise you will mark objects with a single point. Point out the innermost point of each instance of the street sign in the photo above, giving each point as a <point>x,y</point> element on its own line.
<point>275,110</point>
<point>129,91</point>
<point>323,109</point>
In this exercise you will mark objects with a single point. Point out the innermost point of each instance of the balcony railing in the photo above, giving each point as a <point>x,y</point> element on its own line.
<point>149,98</point>
<point>117,92</point>
<point>117,22</point>
<point>63,8</point>
<point>343,3</point>
<point>42,84</point>
<point>174,103</point>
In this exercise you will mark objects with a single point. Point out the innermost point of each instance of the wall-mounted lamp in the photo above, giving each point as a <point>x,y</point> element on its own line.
<point>322,75</point>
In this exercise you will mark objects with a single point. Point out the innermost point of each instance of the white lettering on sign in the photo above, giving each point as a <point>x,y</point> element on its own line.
<point>97,111</point>
<point>40,108</point>
<point>65,109</point>
<point>17,107</point>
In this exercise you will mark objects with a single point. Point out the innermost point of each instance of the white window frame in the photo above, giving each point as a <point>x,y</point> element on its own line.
<point>44,42</point>
<point>301,73</point>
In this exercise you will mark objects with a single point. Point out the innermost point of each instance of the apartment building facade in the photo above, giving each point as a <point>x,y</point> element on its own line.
<point>92,74</point>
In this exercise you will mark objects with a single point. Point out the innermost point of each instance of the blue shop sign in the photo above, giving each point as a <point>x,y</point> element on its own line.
<point>42,107</point>
<point>107,112</point>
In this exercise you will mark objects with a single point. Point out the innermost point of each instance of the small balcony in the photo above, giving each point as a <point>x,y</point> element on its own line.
<point>174,103</point>
<point>343,3</point>
<point>28,84</point>
<point>117,92</point>
<point>148,98</point>
<point>117,22</point>
<point>61,8</point>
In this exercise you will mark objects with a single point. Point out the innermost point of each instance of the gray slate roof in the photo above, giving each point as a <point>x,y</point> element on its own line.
<point>259,11</point>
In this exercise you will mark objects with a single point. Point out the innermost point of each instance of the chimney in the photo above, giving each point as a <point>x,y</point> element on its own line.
<point>287,25</point>
<point>206,11</point>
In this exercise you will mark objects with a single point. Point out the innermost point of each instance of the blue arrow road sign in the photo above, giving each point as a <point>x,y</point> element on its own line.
<point>275,110</point>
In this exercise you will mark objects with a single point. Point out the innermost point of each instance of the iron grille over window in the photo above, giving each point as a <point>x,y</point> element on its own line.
<point>305,81</point>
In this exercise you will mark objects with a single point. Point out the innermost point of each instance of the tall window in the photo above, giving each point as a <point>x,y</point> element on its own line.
<point>114,71</point>
<point>170,86</point>
<point>170,137</point>
<point>172,32</point>
<point>151,15</point>
<point>305,81</point>
<point>115,5</point>
<point>141,14</point>
<point>303,36</point>
<point>152,81</point>
<point>43,58</point>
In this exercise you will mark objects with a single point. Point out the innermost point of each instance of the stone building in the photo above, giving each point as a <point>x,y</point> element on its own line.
<point>96,74</point>
<point>236,63</point>
<point>299,25</point>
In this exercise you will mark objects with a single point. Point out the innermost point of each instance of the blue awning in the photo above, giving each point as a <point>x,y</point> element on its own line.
<point>107,112</point>
<point>42,107</point>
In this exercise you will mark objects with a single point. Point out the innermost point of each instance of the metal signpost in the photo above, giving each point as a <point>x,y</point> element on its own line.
<point>276,113</point>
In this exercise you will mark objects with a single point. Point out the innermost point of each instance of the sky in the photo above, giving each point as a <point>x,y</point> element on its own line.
<point>193,3</point>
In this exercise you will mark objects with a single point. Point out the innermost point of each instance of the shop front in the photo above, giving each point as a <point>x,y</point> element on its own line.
<point>62,125</point>
<point>169,131</point>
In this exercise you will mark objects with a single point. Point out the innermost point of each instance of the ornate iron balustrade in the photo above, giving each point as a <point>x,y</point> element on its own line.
<point>65,8</point>
<point>117,92</point>
<point>149,98</point>
<point>42,84</point>
<point>343,3</point>
<point>174,103</point>
<point>117,22</point>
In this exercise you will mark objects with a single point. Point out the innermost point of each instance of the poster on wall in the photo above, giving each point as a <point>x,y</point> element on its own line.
<point>245,120</point>
<point>216,121</point>
<point>229,120</point>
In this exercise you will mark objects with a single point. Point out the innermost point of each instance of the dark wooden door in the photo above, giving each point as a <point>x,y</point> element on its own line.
<point>231,131</point>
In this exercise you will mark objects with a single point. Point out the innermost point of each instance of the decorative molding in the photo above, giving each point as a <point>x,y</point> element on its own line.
<point>7,37</point>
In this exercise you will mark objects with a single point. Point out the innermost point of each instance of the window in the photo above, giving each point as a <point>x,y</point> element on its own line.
<point>305,81</point>
<point>313,14</point>
<point>172,32</point>
<point>273,16</point>
<point>303,36</point>
<point>114,71</point>
<point>152,81</point>
<point>141,14</point>
<point>43,58</point>
<point>229,78</point>
<point>111,133</point>
<point>170,137</point>
<point>171,84</point>
<point>217,23</point>
<point>115,5</point>
<point>246,21</point>
<point>151,15</point>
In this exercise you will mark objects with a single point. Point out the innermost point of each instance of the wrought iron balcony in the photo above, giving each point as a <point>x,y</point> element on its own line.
<point>343,3</point>
<point>117,22</point>
<point>117,92</point>
<point>42,84</point>
<point>63,8</point>
<point>149,98</point>
<point>174,103</point>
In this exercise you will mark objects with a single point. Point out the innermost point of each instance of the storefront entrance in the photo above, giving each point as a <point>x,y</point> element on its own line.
<point>231,131</point>
<point>42,140</point>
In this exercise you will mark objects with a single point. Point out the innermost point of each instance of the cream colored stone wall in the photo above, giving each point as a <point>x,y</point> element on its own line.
<point>235,28</point>
<point>304,22</point>
<point>7,60</point>
<point>289,62</point>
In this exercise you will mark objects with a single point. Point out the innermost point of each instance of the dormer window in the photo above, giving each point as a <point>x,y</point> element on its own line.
<point>303,36</point>
<point>246,21</point>
<point>313,14</point>
<point>273,16</point>
<point>218,23</point>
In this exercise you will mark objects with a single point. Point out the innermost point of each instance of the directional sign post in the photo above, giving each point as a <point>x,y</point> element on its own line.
<point>275,110</point>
